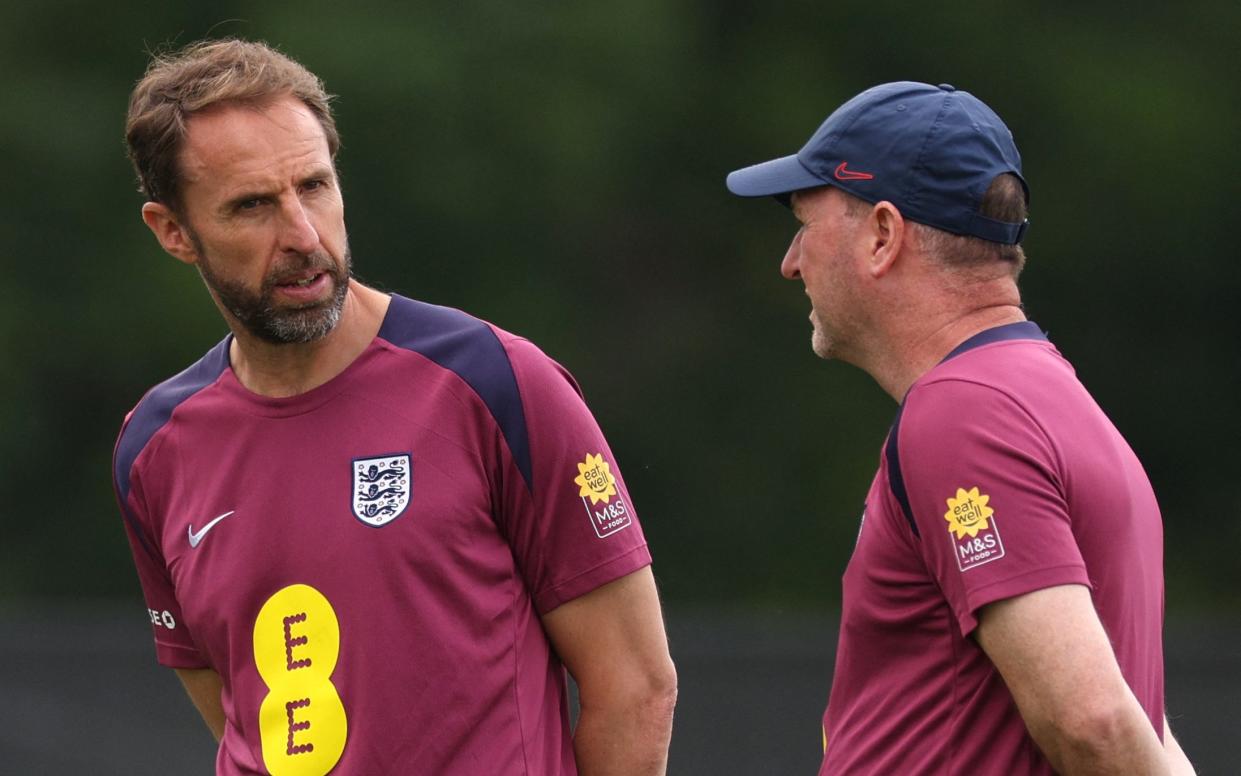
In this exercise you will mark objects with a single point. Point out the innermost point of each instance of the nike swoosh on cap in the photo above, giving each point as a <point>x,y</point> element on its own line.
<point>843,173</point>
<point>195,538</point>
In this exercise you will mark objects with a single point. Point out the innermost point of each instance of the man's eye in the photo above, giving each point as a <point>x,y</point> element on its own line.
<point>249,204</point>
<point>312,185</point>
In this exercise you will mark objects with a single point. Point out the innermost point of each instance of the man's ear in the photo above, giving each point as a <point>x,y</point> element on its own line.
<point>173,236</point>
<point>886,232</point>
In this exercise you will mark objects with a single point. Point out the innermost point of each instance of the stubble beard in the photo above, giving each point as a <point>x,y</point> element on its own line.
<point>820,342</point>
<point>257,311</point>
<point>820,345</point>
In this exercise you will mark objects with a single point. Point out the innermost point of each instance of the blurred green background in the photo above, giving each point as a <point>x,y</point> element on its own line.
<point>557,168</point>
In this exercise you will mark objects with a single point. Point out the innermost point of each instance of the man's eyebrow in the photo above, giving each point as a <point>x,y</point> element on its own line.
<point>317,172</point>
<point>245,196</point>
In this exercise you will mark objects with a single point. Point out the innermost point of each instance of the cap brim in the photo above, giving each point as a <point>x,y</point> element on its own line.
<point>779,176</point>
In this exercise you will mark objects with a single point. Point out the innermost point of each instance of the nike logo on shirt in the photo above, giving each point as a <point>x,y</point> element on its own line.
<point>195,538</point>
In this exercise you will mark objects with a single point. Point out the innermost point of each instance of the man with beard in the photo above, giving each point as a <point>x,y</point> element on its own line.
<point>1003,607</point>
<point>371,532</point>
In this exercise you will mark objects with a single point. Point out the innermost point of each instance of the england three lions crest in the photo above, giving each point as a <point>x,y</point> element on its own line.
<point>381,488</point>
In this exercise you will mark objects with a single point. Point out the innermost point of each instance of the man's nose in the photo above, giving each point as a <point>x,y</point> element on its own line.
<point>297,234</point>
<point>790,267</point>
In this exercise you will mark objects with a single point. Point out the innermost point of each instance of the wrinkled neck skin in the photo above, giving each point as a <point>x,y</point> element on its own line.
<point>279,371</point>
<point>918,330</point>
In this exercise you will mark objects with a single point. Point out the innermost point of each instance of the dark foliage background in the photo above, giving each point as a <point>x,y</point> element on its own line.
<point>557,168</point>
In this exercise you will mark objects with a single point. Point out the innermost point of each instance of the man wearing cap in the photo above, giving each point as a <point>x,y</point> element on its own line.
<point>371,532</point>
<point>1003,607</point>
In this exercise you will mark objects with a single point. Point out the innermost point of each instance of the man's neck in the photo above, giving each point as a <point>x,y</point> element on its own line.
<point>916,351</point>
<point>279,371</point>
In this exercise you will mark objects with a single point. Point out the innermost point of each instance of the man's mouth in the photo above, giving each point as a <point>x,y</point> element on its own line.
<point>304,287</point>
<point>304,281</point>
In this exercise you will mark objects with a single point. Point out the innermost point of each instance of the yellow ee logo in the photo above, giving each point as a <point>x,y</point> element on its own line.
<point>968,513</point>
<point>594,476</point>
<point>302,721</point>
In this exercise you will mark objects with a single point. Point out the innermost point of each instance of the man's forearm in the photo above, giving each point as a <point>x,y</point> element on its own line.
<point>1178,761</point>
<point>203,685</point>
<point>1123,743</point>
<point>625,740</point>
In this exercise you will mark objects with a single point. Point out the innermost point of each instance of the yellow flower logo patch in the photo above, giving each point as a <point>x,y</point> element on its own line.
<point>595,479</point>
<point>604,504</point>
<point>968,513</point>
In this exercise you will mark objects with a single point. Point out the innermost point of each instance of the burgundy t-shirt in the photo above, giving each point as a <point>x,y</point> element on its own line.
<point>366,564</point>
<point>1000,476</point>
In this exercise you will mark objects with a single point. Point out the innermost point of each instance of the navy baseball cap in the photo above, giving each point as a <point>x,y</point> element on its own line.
<point>930,150</point>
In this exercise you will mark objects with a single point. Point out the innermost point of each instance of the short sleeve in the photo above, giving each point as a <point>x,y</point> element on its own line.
<point>174,647</point>
<point>984,487</point>
<point>572,526</point>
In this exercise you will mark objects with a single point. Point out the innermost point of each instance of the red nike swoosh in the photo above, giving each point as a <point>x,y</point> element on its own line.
<point>843,173</point>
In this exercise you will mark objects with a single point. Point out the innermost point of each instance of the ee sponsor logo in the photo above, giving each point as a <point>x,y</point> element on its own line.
<point>162,619</point>
<point>302,721</point>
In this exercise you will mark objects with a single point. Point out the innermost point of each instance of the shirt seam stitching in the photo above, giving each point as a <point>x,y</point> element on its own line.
<point>553,588</point>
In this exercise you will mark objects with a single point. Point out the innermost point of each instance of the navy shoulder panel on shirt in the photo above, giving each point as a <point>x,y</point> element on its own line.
<point>157,407</point>
<point>1021,330</point>
<point>896,479</point>
<point>468,347</point>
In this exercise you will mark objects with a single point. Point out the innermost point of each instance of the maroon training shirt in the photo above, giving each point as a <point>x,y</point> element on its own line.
<point>365,564</point>
<point>1001,476</point>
